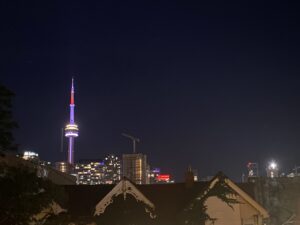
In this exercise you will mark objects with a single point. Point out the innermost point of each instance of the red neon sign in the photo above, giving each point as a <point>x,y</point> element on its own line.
<point>163,177</point>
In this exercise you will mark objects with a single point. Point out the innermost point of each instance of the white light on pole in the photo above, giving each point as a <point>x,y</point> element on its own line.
<point>272,169</point>
<point>273,165</point>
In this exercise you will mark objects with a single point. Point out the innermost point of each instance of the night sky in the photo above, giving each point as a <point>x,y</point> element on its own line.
<point>203,83</point>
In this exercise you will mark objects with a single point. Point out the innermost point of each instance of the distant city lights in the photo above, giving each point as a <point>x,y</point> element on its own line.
<point>30,155</point>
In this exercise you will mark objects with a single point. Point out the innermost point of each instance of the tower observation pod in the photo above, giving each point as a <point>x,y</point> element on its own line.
<point>71,129</point>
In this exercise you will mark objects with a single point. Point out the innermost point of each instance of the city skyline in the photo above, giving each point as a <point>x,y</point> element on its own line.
<point>196,82</point>
<point>262,170</point>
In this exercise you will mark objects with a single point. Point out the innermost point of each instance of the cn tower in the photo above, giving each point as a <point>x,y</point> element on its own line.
<point>71,130</point>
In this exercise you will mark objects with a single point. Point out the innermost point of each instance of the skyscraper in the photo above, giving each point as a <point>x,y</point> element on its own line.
<point>112,169</point>
<point>135,168</point>
<point>63,167</point>
<point>71,130</point>
<point>107,171</point>
<point>90,172</point>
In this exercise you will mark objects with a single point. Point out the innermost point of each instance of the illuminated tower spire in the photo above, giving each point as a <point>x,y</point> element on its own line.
<point>71,130</point>
<point>72,105</point>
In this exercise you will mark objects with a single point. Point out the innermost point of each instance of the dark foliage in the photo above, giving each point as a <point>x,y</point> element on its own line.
<point>196,212</point>
<point>60,219</point>
<point>23,194</point>
<point>127,211</point>
<point>7,124</point>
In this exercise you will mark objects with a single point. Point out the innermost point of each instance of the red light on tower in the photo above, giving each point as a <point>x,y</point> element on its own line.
<point>72,93</point>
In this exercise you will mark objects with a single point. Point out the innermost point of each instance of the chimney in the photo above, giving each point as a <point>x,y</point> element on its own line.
<point>189,178</point>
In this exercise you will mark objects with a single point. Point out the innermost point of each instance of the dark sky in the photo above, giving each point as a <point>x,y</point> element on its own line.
<point>207,83</point>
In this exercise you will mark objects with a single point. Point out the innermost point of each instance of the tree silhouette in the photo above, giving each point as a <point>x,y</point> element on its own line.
<point>196,212</point>
<point>24,195</point>
<point>7,124</point>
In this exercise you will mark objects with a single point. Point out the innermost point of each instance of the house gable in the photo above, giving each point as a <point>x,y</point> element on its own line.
<point>246,211</point>
<point>263,212</point>
<point>242,194</point>
<point>219,210</point>
<point>124,187</point>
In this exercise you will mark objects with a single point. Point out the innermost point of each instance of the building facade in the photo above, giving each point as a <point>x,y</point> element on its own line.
<point>90,172</point>
<point>93,172</point>
<point>112,169</point>
<point>30,155</point>
<point>135,168</point>
<point>63,167</point>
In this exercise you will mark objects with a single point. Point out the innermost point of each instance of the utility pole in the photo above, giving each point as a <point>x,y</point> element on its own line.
<point>134,140</point>
<point>62,140</point>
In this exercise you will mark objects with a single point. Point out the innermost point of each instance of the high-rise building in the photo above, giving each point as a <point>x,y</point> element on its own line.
<point>135,167</point>
<point>90,172</point>
<point>29,155</point>
<point>112,169</point>
<point>34,157</point>
<point>64,167</point>
<point>71,129</point>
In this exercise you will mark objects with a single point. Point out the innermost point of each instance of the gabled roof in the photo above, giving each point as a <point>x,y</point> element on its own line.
<point>124,187</point>
<point>168,199</point>
<point>240,192</point>
<point>82,199</point>
<point>247,198</point>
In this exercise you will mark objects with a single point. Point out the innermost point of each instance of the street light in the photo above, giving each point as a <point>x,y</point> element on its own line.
<point>272,169</point>
<point>273,165</point>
